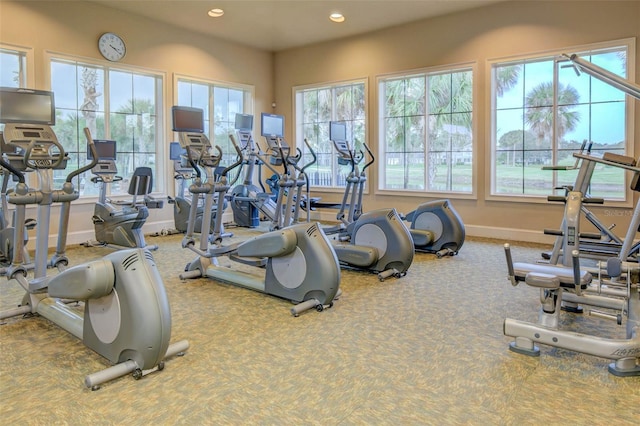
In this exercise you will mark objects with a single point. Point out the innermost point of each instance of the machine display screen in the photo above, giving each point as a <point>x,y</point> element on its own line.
<point>175,151</point>
<point>244,122</point>
<point>187,119</point>
<point>106,150</point>
<point>272,125</point>
<point>338,131</point>
<point>27,106</point>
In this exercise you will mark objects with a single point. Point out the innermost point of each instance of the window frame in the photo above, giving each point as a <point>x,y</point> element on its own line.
<point>298,133</point>
<point>425,72</point>
<point>554,54</point>
<point>28,78</point>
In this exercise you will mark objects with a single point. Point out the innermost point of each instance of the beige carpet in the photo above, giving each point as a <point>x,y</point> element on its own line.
<point>424,349</point>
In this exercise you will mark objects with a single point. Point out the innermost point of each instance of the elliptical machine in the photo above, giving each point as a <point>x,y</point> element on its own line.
<point>247,200</point>
<point>181,206</point>
<point>377,241</point>
<point>436,227</point>
<point>119,224</point>
<point>296,263</point>
<point>7,225</point>
<point>126,316</point>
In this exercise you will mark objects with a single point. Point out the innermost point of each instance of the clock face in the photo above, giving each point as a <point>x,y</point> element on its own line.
<point>112,47</point>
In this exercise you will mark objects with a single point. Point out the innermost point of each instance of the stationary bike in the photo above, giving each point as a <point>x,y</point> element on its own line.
<point>295,263</point>
<point>126,316</point>
<point>119,224</point>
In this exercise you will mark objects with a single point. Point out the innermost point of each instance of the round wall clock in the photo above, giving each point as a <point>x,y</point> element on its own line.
<point>112,47</point>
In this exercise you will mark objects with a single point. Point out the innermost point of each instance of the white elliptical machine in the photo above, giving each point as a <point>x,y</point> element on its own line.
<point>126,315</point>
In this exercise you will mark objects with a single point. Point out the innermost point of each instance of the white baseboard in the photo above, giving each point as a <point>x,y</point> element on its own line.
<point>508,234</point>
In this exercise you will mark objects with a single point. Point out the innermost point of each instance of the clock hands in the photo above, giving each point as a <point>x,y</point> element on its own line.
<point>115,48</point>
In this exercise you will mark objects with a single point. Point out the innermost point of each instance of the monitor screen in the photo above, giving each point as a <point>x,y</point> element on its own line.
<point>106,150</point>
<point>244,122</point>
<point>187,119</point>
<point>272,125</point>
<point>175,151</point>
<point>27,106</point>
<point>338,131</point>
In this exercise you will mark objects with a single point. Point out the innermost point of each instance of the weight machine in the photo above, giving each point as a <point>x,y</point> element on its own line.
<point>566,286</point>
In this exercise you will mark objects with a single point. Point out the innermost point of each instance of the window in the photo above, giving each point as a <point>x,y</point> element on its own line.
<point>425,131</point>
<point>315,107</point>
<point>13,67</point>
<point>542,112</point>
<point>13,73</point>
<point>114,103</point>
<point>220,103</point>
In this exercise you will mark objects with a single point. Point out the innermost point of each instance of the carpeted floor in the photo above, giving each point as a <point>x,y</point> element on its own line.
<point>424,349</point>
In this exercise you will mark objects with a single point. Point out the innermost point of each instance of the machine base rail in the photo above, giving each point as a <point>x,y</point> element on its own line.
<point>625,352</point>
<point>94,380</point>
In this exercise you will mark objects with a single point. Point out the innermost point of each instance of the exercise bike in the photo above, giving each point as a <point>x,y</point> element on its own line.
<point>119,223</point>
<point>296,263</point>
<point>126,315</point>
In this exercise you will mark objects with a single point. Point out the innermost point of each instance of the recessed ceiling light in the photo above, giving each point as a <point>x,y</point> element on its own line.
<point>215,13</point>
<point>336,17</point>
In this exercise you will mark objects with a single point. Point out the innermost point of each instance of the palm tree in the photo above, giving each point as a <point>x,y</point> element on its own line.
<point>539,113</point>
<point>506,77</point>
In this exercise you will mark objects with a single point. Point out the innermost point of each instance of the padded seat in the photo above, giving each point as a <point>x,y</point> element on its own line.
<point>564,274</point>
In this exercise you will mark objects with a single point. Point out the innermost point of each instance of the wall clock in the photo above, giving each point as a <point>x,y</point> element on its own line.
<point>112,47</point>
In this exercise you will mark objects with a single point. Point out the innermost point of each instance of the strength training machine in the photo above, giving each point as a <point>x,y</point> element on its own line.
<point>565,286</point>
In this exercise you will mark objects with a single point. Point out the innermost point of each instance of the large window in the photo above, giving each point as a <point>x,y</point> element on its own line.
<point>114,103</point>
<point>220,103</point>
<point>315,107</point>
<point>543,112</point>
<point>426,131</point>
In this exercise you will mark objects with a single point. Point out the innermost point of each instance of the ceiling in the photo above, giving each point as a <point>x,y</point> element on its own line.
<point>275,25</point>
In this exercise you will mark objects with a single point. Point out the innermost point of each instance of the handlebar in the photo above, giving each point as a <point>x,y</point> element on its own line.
<point>17,173</point>
<point>313,154</point>
<point>238,161</point>
<point>27,154</point>
<point>94,154</point>
<point>373,159</point>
